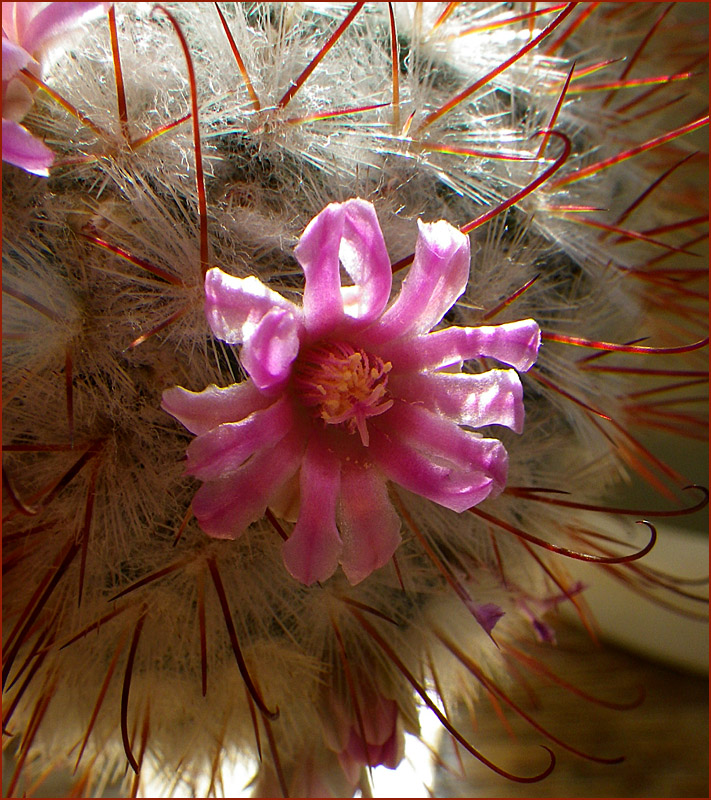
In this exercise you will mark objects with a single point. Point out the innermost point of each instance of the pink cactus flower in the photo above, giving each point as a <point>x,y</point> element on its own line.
<point>349,391</point>
<point>28,30</point>
<point>372,737</point>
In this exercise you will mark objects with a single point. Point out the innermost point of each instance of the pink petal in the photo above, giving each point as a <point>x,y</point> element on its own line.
<point>351,769</point>
<point>224,449</point>
<point>18,98</point>
<point>8,21</point>
<point>383,738</point>
<point>235,306</point>
<point>446,441</point>
<point>311,552</point>
<point>21,148</point>
<point>269,352</point>
<point>317,252</point>
<point>437,277</point>
<point>14,58</point>
<point>225,507</point>
<point>513,343</point>
<point>55,19</point>
<point>245,310</point>
<point>381,720</point>
<point>203,411</point>
<point>488,398</point>
<point>356,750</point>
<point>436,459</point>
<point>486,614</point>
<point>17,16</point>
<point>393,751</point>
<point>367,521</point>
<point>365,258</point>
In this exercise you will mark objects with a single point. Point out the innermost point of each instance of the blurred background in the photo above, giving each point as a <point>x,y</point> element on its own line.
<point>665,741</point>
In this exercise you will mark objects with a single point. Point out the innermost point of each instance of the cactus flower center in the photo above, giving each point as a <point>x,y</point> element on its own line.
<point>343,384</point>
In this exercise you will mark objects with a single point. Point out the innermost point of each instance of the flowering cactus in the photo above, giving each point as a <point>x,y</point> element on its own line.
<point>325,240</point>
<point>344,365</point>
<point>28,30</point>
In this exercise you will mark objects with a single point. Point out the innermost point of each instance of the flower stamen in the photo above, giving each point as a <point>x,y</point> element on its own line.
<point>343,384</point>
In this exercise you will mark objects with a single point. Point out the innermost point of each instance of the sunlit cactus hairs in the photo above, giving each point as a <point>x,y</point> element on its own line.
<point>329,332</point>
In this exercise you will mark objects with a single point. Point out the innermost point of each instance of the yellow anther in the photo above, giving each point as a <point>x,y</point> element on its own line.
<point>344,385</point>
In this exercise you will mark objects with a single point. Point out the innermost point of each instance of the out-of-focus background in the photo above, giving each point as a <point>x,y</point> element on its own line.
<point>665,741</point>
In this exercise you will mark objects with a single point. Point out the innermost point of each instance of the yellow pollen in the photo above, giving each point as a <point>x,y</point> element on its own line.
<point>344,385</point>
